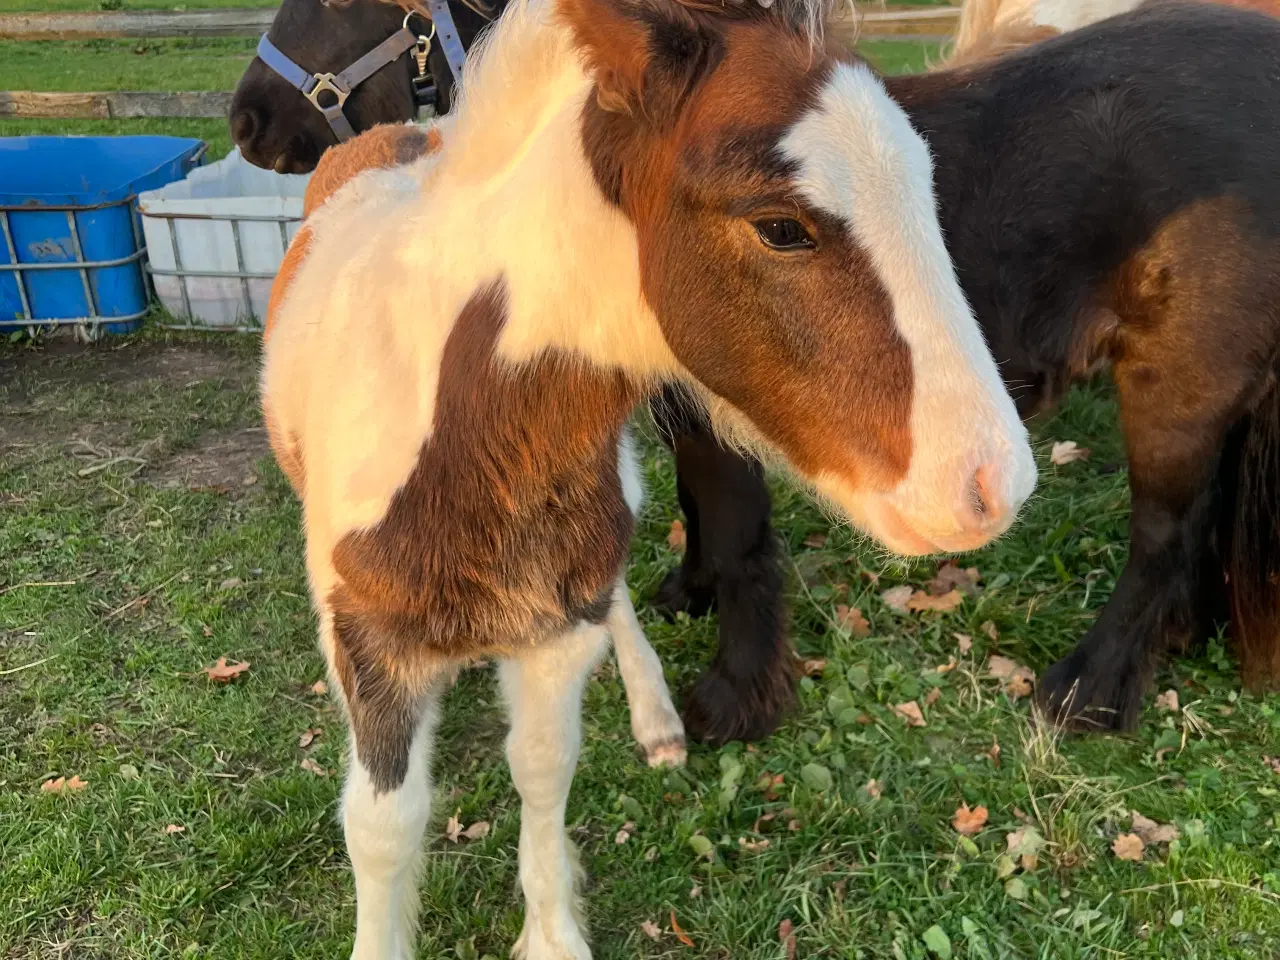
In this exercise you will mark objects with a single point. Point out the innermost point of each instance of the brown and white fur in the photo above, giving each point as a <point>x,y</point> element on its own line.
<point>607,210</point>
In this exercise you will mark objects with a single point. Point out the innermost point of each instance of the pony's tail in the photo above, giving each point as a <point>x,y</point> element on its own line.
<point>1253,557</point>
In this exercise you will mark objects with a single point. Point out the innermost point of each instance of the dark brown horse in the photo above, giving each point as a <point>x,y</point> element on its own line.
<point>1110,197</point>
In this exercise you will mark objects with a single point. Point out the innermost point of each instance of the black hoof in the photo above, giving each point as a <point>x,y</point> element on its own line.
<point>1081,695</point>
<point>721,708</point>
<point>676,594</point>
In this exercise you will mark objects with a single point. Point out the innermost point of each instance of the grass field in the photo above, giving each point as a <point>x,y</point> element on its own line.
<point>144,533</point>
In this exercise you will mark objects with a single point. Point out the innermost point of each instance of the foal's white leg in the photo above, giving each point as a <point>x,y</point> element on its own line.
<point>654,721</point>
<point>384,840</point>
<point>384,823</point>
<point>543,689</point>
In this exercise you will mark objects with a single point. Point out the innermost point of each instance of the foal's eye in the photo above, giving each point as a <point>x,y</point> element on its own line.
<point>784,233</point>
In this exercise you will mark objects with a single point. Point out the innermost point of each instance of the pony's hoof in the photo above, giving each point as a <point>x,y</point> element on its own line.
<point>669,753</point>
<point>678,594</point>
<point>1076,694</point>
<point>722,708</point>
<point>535,944</point>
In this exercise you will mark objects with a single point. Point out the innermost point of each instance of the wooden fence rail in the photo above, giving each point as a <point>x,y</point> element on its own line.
<point>118,105</point>
<point>87,26</point>
<point>917,23</point>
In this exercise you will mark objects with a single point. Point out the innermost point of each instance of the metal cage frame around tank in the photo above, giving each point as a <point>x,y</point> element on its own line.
<point>90,325</point>
<point>241,273</point>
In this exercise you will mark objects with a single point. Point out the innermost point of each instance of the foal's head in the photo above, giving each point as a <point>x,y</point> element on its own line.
<point>790,249</point>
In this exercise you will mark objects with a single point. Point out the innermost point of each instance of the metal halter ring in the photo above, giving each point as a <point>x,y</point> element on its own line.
<point>329,82</point>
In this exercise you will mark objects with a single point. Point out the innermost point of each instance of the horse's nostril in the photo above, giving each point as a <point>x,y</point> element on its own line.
<point>245,125</point>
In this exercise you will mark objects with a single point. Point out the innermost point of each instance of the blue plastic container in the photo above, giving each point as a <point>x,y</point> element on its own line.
<point>71,250</point>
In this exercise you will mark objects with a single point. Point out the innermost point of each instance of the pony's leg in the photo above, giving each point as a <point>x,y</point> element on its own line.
<point>689,588</point>
<point>387,799</point>
<point>749,685</point>
<point>1184,382</point>
<point>654,721</point>
<point>543,690</point>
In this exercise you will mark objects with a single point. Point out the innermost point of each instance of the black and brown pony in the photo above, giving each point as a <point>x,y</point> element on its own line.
<point>1110,198</point>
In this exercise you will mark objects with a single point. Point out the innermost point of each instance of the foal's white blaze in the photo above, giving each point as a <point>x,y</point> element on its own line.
<point>860,159</point>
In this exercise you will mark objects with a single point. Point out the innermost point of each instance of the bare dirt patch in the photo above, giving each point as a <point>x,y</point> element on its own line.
<point>52,403</point>
<point>222,462</point>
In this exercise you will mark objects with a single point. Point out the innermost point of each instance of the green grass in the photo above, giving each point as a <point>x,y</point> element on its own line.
<point>160,564</point>
<point>60,6</point>
<point>170,65</point>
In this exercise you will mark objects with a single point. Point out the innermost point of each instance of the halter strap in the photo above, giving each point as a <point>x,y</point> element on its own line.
<point>311,85</point>
<point>448,35</point>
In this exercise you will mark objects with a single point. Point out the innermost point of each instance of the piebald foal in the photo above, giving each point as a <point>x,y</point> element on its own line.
<point>610,209</point>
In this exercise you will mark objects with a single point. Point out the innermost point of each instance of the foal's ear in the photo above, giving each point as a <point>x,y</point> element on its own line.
<point>647,54</point>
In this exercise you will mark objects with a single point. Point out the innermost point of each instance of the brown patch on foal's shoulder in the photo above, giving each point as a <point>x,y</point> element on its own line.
<point>512,525</point>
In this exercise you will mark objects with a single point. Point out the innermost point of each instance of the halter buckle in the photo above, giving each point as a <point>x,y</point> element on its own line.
<point>329,82</point>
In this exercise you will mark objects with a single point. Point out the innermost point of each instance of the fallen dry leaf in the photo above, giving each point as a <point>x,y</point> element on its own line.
<point>1152,832</point>
<point>319,688</point>
<point>477,831</point>
<point>1067,451</point>
<point>680,934</point>
<point>947,667</point>
<point>753,846</point>
<point>787,938</point>
<point>223,672</point>
<point>1273,763</point>
<point>676,538</point>
<point>1025,844</point>
<point>650,930</point>
<point>968,822</point>
<point>950,576</point>
<point>815,541</point>
<point>1162,753</point>
<point>231,583</point>
<point>622,836</point>
<point>964,642</point>
<point>932,696</point>
<point>312,767</point>
<point>63,785</point>
<point>695,892</point>
<point>990,630</point>
<point>897,598</point>
<point>910,712</point>
<point>1167,702</point>
<point>206,630</point>
<point>175,828</point>
<point>921,601</point>
<point>1001,667</point>
<point>453,827</point>
<point>994,753</point>
<point>873,789</point>
<point>851,619</point>
<point>813,668</point>
<point>1021,682</point>
<point>309,737</point>
<point>1128,846</point>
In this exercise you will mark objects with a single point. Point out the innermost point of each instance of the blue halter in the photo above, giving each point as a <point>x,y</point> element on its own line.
<point>339,86</point>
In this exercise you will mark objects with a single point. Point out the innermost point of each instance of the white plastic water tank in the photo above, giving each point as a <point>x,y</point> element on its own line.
<point>215,240</point>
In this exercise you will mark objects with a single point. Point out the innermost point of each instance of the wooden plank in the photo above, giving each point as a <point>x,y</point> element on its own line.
<point>114,105</point>
<point>189,23</point>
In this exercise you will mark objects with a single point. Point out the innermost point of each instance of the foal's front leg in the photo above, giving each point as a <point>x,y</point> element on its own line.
<point>654,721</point>
<point>387,800</point>
<point>543,690</point>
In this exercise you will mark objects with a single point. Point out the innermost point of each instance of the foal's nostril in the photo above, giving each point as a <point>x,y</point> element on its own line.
<point>984,495</point>
<point>245,125</point>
